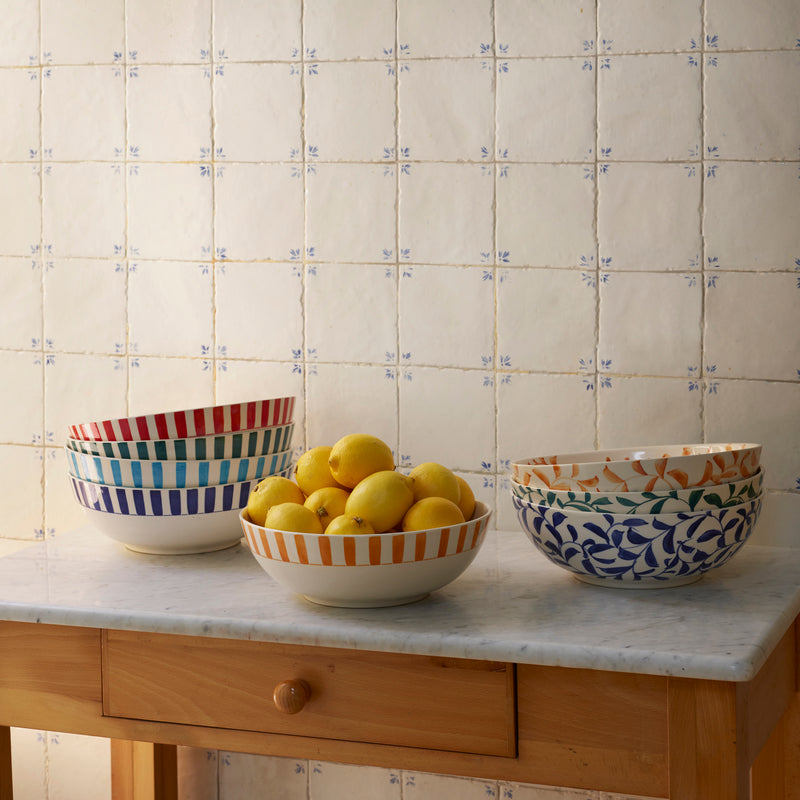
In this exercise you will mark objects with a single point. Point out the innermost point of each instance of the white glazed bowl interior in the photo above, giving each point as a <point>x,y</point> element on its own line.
<point>368,571</point>
<point>132,473</point>
<point>654,502</point>
<point>638,551</point>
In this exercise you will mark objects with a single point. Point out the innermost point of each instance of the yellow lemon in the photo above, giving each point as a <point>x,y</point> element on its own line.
<point>269,492</point>
<point>432,512</point>
<point>349,525</point>
<point>357,455</point>
<point>312,471</point>
<point>327,503</point>
<point>466,500</point>
<point>435,480</point>
<point>293,517</point>
<point>382,498</point>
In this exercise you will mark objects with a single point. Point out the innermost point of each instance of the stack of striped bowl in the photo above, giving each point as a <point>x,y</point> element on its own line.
<point>174,482</point>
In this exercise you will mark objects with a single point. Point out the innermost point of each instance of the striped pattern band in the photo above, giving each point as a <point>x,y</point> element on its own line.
<point>186,424</point>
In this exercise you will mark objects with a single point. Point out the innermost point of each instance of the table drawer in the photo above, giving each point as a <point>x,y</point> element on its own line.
<point>418,701</point>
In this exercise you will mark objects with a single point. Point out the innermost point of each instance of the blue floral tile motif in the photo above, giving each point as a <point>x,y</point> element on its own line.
<point>632,550</point>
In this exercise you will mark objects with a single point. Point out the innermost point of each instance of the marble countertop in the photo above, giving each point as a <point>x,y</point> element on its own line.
<point>510,605</point>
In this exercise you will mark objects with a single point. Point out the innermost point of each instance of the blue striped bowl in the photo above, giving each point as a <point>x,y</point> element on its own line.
<point>244,444</point>
<point>135,474</point>
<point>166,521</point>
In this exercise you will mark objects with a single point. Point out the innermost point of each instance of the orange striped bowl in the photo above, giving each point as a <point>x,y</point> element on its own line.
<point>369,571</point>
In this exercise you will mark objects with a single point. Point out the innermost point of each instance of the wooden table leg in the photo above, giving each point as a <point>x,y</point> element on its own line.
<point>6,784</point>
<point>143,771</point>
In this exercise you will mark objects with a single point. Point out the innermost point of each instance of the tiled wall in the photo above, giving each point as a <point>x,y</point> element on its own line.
<point>480,229</point>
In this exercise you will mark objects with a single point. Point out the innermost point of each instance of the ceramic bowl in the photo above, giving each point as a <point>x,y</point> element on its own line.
<point>638,551</point>
<point>134,474</point>
<point>659,501</point>
<point>641,469</point>
<point>244,444</point>
<point>166,521</point>
<point>368,571</point>
<point>189,423</point>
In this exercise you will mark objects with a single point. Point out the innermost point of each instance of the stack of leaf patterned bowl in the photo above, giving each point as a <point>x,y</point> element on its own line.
<point>174,482</point>
<point>640,517</point>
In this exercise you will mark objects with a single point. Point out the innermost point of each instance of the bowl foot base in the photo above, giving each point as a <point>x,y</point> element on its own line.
<point>400,601</point>
<point>643,584</point>
<point>180,551</point>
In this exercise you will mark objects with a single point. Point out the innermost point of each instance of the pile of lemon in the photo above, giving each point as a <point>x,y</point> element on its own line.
<point>353,487</point>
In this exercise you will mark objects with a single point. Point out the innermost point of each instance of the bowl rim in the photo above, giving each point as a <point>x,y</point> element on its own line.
<point>205,420</point>
<point>80,454</point>
<point>593,457</point>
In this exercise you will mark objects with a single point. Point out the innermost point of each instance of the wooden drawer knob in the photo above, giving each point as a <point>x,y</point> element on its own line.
<point>290,696</point>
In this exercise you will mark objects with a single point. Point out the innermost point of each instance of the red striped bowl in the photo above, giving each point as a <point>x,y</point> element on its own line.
<point>369,571</point>
<point>189,423</point>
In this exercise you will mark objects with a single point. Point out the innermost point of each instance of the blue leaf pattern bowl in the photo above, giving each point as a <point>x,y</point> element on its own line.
<point>638,551</point>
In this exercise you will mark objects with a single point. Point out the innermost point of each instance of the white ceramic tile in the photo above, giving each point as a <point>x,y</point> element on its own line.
<point>169,113</point>
<point>351,313</point>
<point>648,216</point>
<point>20,209</point>
<point>94,195</point>
<point>447,415</point>
<point>21,491</point>
<point>83,31</point>
<point>350,111</point>
<point>446,316</point>
<point>342,399</point>
<point>257,113</point>
<point>351,213</point>
<point>259,212</point>
<point>533,121</point>
<point>648,107</point>
<point>650,324</point>
<point>19,115</point>
<point>78,767</point>
<point>28,763</point>
<point>21,303</point>
<point>245,380</point>
<point>197,774</point>
<point>529,791</point>
<point>448,28</point>
<point>544,414</point>
<point>83,112</point>
<point>259,313</point>
<point>751,106</point>
<point>82,388</point>
<point>545,319</point>
<point>776,525</point>
<point>421,785</point>
<point>168,31</point>
<point>446,110</point>
<point>62,512</point>
<point>72,286</point>
<point>544,27</point>
<point>329,32</point>
<point>169,211</point>
<point>246,776</point>
<point>745,310</point>
<point>19,33</point>
<point>545,215</point>
<point>246,31</point>
<point>166,384</point>
<point>748,222</point>
<point>742,25</point>
<point>170,309</point>
<point>21,397</point>
<point>637,411</point>
<point>648,26</point>
<point>327,781</point>
<point>758,411</point>
<point>445,214</point>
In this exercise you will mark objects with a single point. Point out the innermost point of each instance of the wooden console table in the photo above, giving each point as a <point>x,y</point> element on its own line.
<point>514,672</point>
